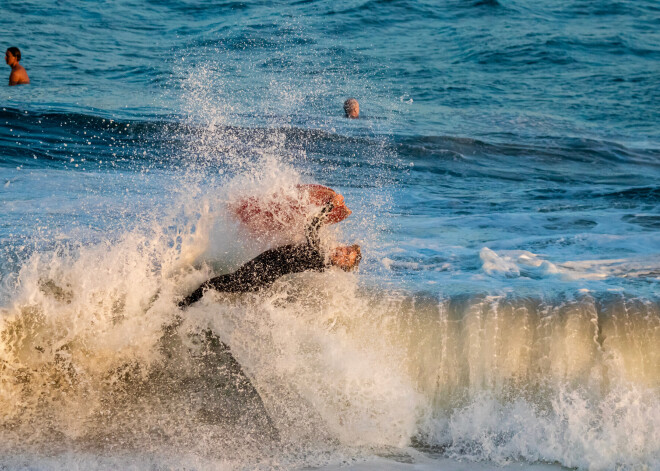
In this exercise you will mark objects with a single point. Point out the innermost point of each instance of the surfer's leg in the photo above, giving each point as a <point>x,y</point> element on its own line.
<point>219,283</point>
<point>193,297</point>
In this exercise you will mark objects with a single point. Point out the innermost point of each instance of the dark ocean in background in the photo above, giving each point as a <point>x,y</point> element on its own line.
<point>504,178</point>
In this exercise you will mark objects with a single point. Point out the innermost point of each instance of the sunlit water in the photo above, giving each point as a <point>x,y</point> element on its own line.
<point>503,179</point>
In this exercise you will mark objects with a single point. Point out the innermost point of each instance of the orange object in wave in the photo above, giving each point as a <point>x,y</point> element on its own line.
<point>280,211</point>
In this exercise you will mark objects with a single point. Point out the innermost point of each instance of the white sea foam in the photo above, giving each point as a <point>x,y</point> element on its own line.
<point>342,370</point>
<point>521,263</point>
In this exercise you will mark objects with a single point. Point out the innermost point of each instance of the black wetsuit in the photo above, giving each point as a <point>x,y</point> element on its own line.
<point>267,267</point>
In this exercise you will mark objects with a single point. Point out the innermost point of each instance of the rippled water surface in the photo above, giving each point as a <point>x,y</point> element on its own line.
<point>504,181</point>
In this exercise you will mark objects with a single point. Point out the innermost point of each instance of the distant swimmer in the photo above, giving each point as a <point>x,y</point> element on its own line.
<point>18,74</point>
<point>352,108</point>
<point>272,264</point>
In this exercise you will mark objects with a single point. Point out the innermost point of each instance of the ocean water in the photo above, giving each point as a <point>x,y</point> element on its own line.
<point>504,181</point>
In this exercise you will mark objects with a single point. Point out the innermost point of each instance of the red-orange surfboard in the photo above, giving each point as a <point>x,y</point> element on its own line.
<point>279,211</point>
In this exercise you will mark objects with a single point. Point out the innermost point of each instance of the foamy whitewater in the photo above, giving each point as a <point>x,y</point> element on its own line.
<point>503,178</point>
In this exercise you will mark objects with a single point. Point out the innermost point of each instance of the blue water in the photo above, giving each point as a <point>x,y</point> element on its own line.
<point>504,174</point>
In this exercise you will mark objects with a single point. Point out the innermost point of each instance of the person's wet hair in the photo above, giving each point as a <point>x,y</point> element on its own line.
<point>15,52</point>
<point>351,108</point>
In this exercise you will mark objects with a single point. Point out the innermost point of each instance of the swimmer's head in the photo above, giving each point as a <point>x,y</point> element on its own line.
<point>347,257</point>
<point>352,108</point>
<point>12,56</point>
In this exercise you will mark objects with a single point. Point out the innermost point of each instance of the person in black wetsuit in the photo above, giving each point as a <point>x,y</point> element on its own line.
<point>263,270</point>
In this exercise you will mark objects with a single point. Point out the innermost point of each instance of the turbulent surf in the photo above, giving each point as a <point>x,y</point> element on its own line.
<point>503,182</point>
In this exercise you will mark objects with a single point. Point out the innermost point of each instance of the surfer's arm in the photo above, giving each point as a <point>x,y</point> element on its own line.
<point>312,230</point>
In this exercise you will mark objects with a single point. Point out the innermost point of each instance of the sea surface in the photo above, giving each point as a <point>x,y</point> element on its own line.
<point>504,178</point>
